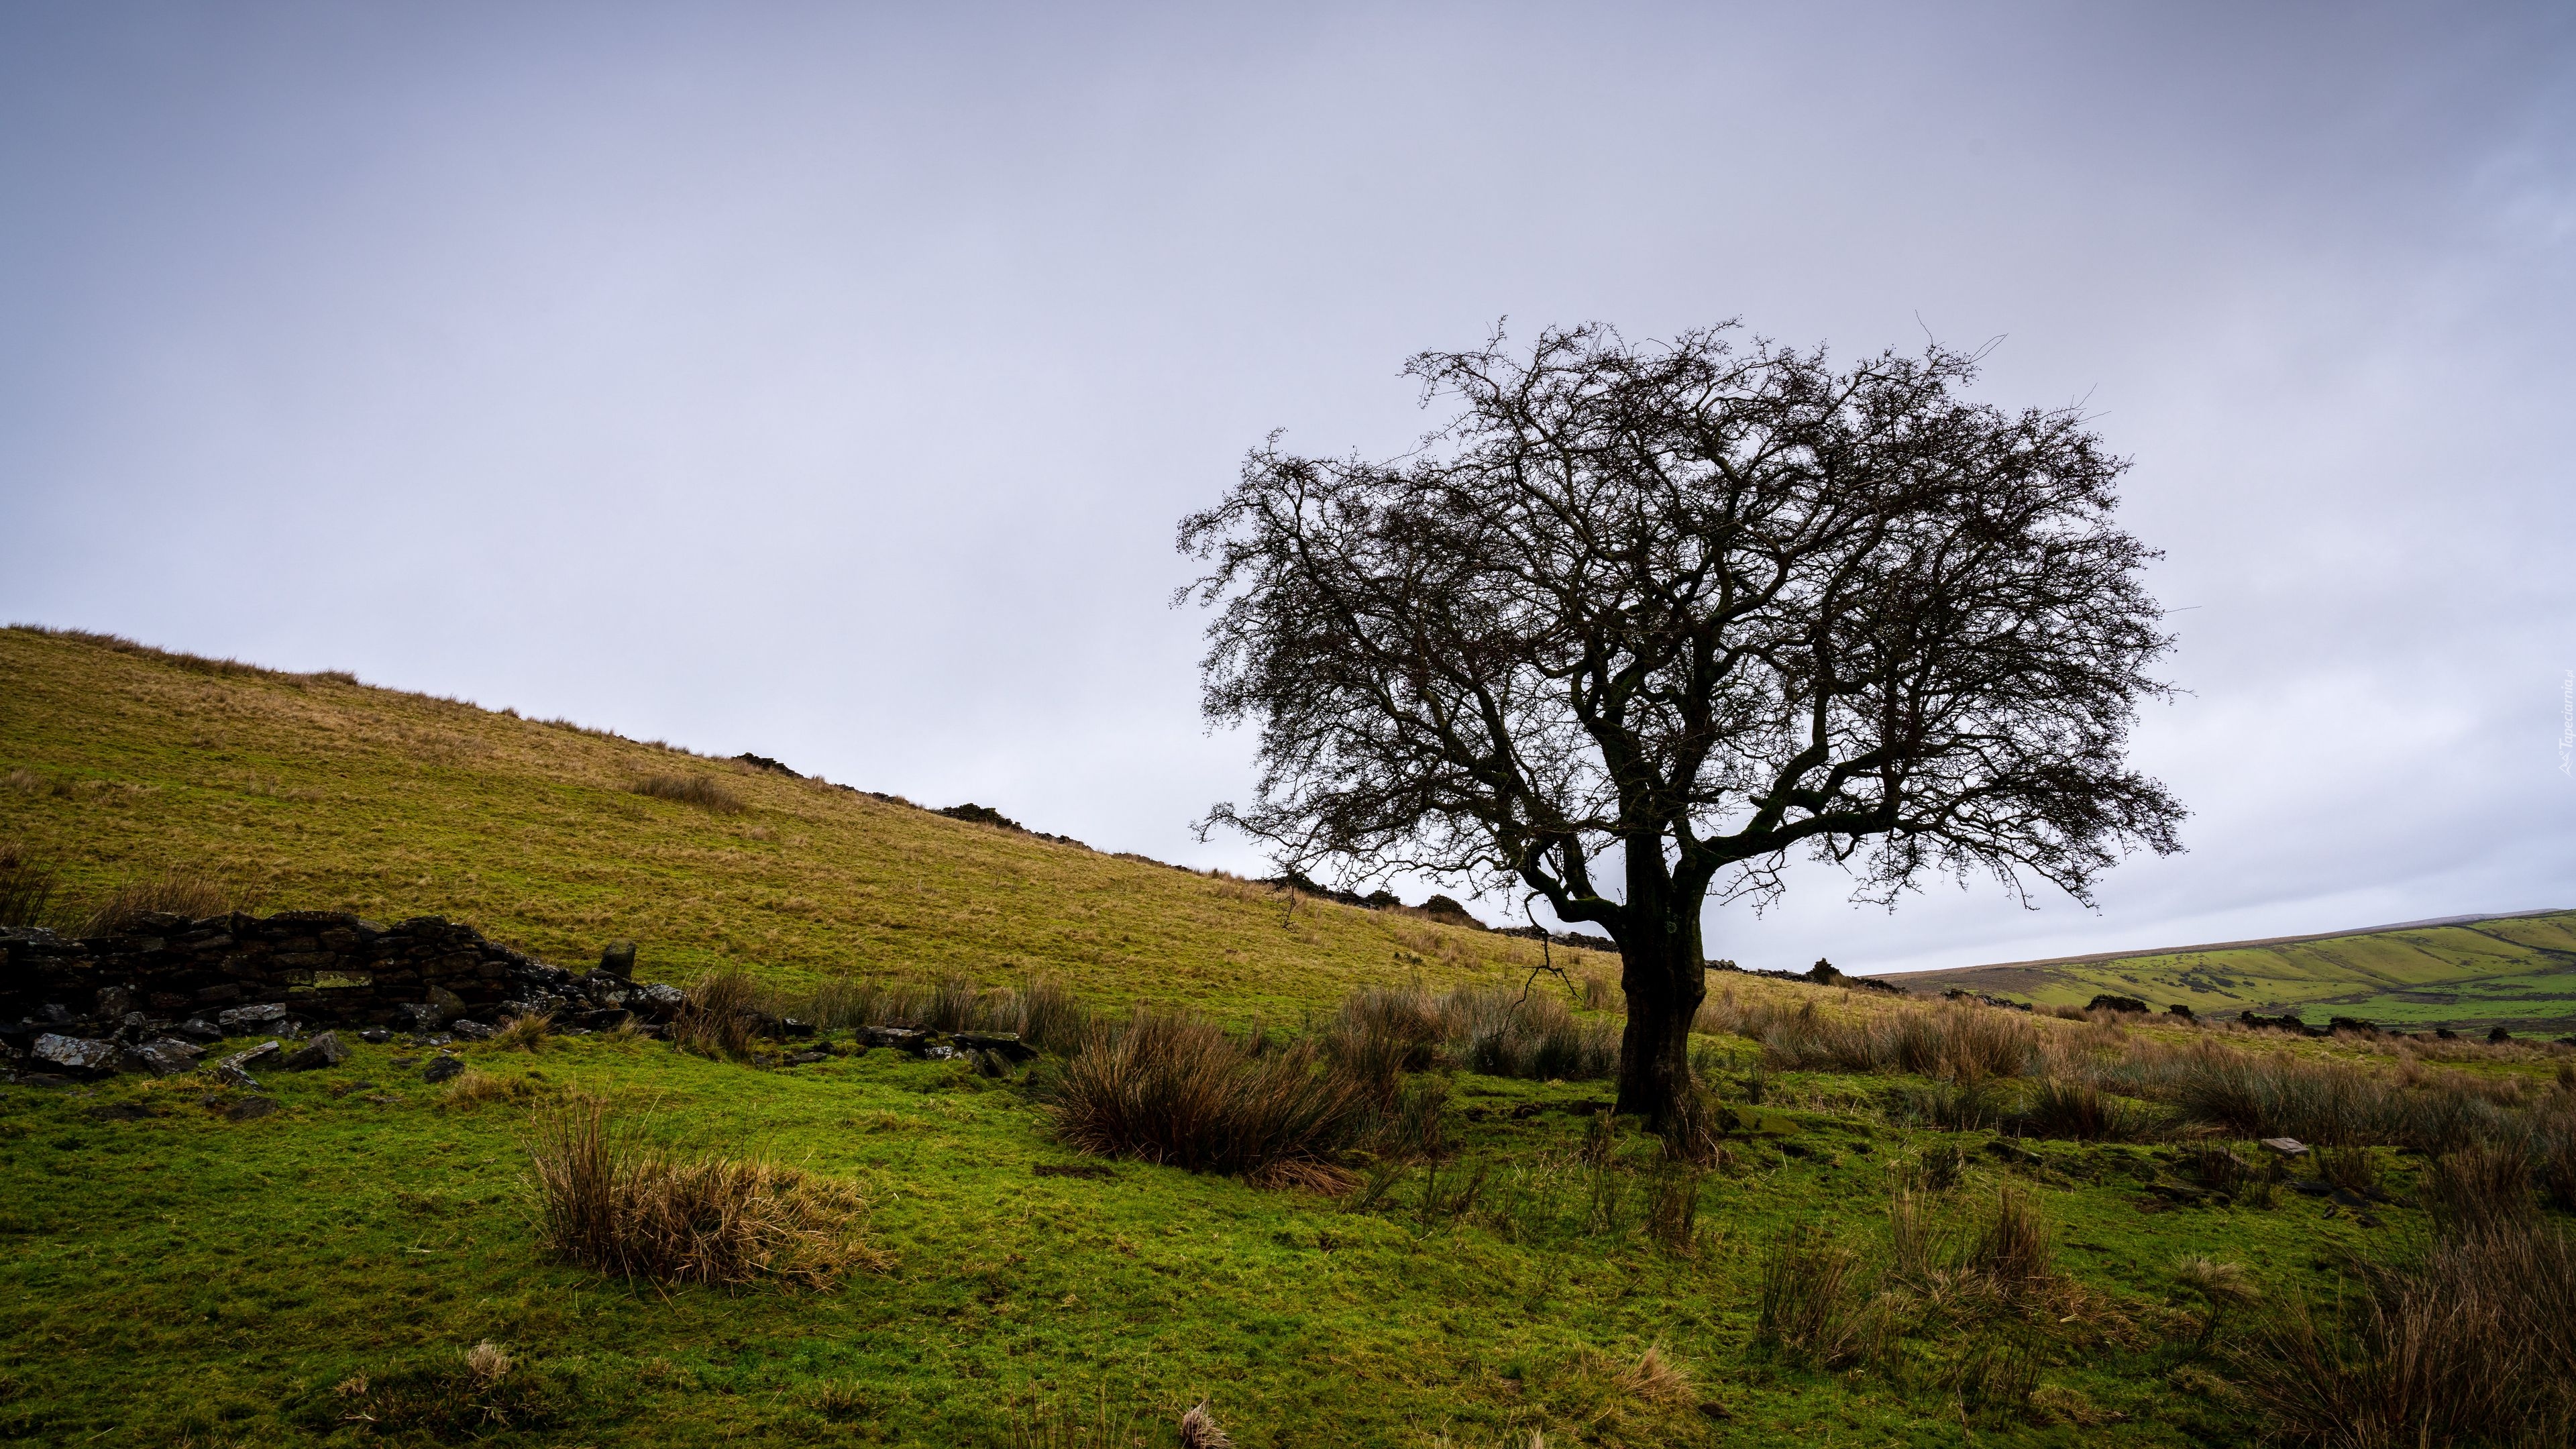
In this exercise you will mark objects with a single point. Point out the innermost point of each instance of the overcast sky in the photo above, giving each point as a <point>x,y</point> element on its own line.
<point>826,381</point>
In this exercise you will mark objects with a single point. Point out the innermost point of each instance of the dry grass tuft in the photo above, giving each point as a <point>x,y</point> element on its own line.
<point>2476,1342</point>
<point>704,791</point>
<point>26,885</point>
<point>614,1203</point>
<point>721,1017</point>
<point>1657,1379</point>
<point>474,1089</point>
<point>1199,1429</point>
<point>2478,1188</point>
<point>1816,1305</point>
<point>1174,1089</point>
<point>525,1033</point>
<point>179,891</point>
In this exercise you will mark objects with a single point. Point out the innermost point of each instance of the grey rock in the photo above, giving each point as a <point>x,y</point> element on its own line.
<point>1006,1044</point>
<point>257,1017</point>
<point>375,1036</point>
<point>661,998</point>
<point>114,1002</point>
<point>419,1017</point>
<point>163,1056</point>
<point>442,1069</point>
<point>903,1037</point>
<point>234,1070</point>
<point>2287,1146</point>
<point>324,1050</point>
<point>618,959</point>
<point>75,1054</point>
<point>448,1004</point>
<point>197,1028</point>
<point>54,1013</point>
<point>471,1030</point>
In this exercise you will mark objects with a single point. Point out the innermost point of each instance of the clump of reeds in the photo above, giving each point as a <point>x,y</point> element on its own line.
<point>721,1016</point>
<point>27,882</point>
<point>2082,1112</point>
<point>613,1202</point>
<point>1169,1088</point>
<point>187,891</point>
<point>2474,1342</point>
<point>704,791</point>
<point>1817,1305</point>
<point>525,1033</point>
<point>1531,1035</point>
<point>2477,1188</point>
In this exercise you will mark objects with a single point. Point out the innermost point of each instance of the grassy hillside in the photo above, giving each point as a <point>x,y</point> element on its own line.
<point>1915,1225</point>
<point>2517,972</point>
<point>315,792</point>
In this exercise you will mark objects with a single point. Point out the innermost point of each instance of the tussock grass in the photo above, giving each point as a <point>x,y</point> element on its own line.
<point>1174,1089</point>
<point>1816,1305</point>
<point>721,1016</point>
<point>612,1202</point>
<point>1963,1043</point>
<point>704,791</point>
<point>189,891</point>
<point>2475,1342</point>
<point>525,1033</point>
<point>27,883</point>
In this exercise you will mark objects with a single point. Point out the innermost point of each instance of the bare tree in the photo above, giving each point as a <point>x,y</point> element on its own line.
<point>1642,621</point>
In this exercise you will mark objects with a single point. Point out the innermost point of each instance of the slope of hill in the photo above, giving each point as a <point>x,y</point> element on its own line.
<point>318,792</point>
<point>2516,971</point>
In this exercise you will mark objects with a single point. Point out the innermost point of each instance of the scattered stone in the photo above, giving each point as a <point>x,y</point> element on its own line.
<point>442,1069</point>
<point>807,1059</point>
<point>197,1028</point>
<point>789,1026</point>
<point>76,1055</point>
<point>234,1070</point>
<point>903,1038</point>
<point>472,1030</point>
<point>324,1050</point>
<point>253,1019</point>
<point>663,998</point>
<point>250,1109</point>
<point>120,1112</point>
<point>2287,1146</point>
<point>375,1036</point>
<point>448,1005</point>
<point>1001,1043</point>
<point>618,959</point>
<point>164,1057</point>
<point>418,1017</point>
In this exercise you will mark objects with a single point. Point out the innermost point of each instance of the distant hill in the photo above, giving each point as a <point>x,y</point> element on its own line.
<point>314,791</point>
<point>2515,971</point>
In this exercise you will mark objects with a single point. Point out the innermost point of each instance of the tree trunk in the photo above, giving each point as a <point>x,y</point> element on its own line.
<point>1664,979</point>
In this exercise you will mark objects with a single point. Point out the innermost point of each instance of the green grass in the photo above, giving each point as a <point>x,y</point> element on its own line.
<point>188,1279</point>
<point>2518,972</point>
<point>313,792</point>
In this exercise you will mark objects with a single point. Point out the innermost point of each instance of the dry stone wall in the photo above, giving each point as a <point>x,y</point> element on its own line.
<point>223,975</point>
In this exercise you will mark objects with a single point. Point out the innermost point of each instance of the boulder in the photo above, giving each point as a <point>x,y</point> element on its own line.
<point>442,1068</point>
<point>252,1019</point>
<point>418,1017</point>
<point>163,1057</point>
<point>618,960</point>
<point>472,1030</point>
<point>1004,1044</point>
<point>76,1055</point>
<point>2287,1146</point>
<point>661,998</point>
<point>446,1005</point>
<point>234,1070</point>
<point>324,1050</point>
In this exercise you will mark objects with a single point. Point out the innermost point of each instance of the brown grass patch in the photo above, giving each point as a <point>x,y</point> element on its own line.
<point>188,891</point>
<point>721,1016</point>
<point>704,791</point>
<point>631,1210</point>
<point>1168,1088</point>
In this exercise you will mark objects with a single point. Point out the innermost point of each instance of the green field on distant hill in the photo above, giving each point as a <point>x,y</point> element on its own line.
<point>2518,972</point>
